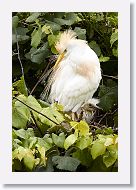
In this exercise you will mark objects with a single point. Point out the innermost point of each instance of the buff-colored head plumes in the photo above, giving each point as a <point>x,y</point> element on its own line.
<point>64,40</point>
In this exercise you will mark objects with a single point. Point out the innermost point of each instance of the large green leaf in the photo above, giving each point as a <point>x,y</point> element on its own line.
<point>108,97</point>
<point>110,155</point>
<point>66,163</point>
<point>20,86</point>
<point>20,113</point>
<point>84,141</point>
<point>83,128</point>
<point>33,103</point>
<point>21,133</point>
<point>98,148</point>
<point>83,156</point>
<point>21,35</point>
<point>29,159</point>
<point>94,46</point>
<point>58,140</point>
<point>70,140</point>
<point>36,37</point>
<point>33,17</point>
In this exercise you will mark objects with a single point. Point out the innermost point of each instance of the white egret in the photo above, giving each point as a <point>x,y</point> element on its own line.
<point>76,74</point>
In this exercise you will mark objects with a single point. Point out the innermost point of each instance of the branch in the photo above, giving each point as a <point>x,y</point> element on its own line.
<point>18,54</point>
<point>35,110</point>
<point>113,77</point>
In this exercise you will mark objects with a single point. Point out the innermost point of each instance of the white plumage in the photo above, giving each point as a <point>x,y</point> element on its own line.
<point>77,73</point>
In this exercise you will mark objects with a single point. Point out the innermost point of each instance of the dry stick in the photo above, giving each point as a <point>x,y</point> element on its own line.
<point>40,79</point>
<point>102,118</point>
<point>113,77</point>
<point>35,110</point>
<point>18,54</point>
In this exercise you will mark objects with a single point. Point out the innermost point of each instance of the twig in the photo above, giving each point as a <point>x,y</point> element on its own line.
<point>18,54</point>
<point>102,118</point>
<point>35,122</point>
<point>113,77</point>
<point>40,79</point>
<point>35,110</point>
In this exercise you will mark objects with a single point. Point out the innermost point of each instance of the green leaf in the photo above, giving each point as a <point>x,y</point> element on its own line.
<point>70,19</point>
<point>29,160</point>
<point>21,35</point>
<point>81,33</point>
<point>65,163</point>
<point>83,128</point>
<point>44,143</point>
<point>104,59</point>
<point>54,26</point>
<point>36,37</point>
<point>21,133</point>
<point>98,148</point>
<point>108,97</point>
<point>58,140</point>
<point>71,139</point>
<point>33,17</point>
<point>20,86</point>
<point>46,29</point>
<point>53,114</point>
<point>115,52</point>
<point>33,103</point>
<point>114,37</point>
<point>20,113</point>
<point>38,55</point>
<point>52,39</point>
<point>110,156</point>
<point>83,156</point>
<point>83,142</point>
<point>42,155</point>
<point>19,153</point>
<point>15,21</point>
<point>94,46</point>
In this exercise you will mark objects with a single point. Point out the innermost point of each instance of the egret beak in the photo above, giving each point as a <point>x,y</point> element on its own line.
<point>60,57</point>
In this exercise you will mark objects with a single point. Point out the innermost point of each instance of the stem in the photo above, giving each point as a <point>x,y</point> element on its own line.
<point>35,110</point>
<point>36,122</point>
<point>18,54</point>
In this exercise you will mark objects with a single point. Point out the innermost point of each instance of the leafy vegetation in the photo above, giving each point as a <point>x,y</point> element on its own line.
<point>44,137</point>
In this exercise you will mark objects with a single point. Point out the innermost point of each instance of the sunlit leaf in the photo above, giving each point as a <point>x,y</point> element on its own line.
<point>98,148</point>
<point>70,140</point>
<point>110,156</point>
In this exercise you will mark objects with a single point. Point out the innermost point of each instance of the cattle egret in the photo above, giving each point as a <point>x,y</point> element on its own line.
<point>76,74</point>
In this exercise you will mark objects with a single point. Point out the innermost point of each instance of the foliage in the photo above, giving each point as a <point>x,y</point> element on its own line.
<point>44,137</point>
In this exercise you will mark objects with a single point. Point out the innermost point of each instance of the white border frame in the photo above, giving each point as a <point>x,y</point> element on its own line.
<point>123,174</point>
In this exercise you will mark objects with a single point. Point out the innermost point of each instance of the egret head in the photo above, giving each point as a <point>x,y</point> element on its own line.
<point>65,39</point>
<point>66,44</point>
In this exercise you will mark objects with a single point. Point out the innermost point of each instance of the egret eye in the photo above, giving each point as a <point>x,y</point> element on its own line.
<point>65,51</point>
